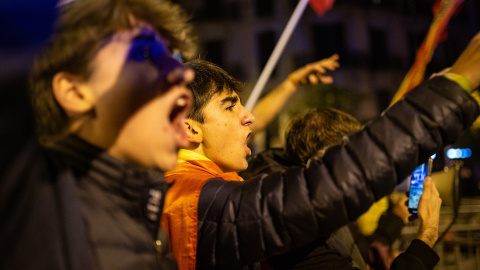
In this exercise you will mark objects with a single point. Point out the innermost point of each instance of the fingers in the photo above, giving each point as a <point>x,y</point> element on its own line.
<point>318,78</point>
<point>429,212</point>
<point>313,73</point>
<point>313,79</point>
<point>430,198</point>
<point>429,204</point>
<point>317,69</point>
<point>330,63</point>
<point>441,73</point>
<point>326,79</point>
<point>430,188</point>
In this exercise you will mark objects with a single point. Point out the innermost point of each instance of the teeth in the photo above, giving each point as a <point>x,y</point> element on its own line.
<point>181,102</point>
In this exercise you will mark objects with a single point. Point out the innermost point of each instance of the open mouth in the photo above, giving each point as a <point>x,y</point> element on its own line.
<point>180,108</point>
<point>247,149</point>
<point>177,117</point>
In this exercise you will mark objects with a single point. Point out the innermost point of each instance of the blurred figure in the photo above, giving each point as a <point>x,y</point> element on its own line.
<point>110,102</point>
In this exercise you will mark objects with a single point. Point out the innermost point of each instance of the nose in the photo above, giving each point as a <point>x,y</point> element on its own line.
<point>247,118</point>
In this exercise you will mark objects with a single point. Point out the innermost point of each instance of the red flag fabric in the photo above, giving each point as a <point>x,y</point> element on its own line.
<point>321,6</point>
<point>443,11</point>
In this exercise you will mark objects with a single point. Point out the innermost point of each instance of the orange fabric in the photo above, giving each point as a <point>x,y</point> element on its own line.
<point>179,218</point>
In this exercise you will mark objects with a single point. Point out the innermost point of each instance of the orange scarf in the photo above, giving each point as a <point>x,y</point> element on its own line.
<point>179,218</point>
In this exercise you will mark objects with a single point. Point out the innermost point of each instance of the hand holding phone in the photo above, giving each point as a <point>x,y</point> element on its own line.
<point>416,184</point>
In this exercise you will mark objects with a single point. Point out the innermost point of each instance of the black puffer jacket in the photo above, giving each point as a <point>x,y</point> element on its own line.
<point>338,251</point>
<point>346,248</point>
<point>73,206</point>
<point>244,222</point>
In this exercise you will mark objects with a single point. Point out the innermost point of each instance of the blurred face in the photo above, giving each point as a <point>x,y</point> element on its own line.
<point>225,132</point>
<point>141,99</point>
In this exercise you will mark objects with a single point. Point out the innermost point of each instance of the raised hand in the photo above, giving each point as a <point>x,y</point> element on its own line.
<point>314,73</point>
<point>429,213</point>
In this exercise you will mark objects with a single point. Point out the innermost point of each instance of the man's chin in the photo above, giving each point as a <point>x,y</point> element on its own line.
<point>242,168</point>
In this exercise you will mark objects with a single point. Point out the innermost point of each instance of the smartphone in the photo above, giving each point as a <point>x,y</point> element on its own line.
<point>416,184</point>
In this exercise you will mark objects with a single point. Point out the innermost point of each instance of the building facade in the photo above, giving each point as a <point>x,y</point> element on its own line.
<point>376,40</point>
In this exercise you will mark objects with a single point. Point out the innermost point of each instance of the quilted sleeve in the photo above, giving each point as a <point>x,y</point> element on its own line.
<point>244,222</point>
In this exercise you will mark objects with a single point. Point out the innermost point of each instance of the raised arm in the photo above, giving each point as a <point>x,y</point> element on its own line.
<point>271,214</point>
<point>274,213</point>
<point>267,108</point>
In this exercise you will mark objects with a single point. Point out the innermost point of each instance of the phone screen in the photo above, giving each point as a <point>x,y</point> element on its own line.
<point>416,186</point>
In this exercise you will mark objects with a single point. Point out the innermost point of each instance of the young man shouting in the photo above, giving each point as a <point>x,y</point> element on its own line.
<point>217,220</point>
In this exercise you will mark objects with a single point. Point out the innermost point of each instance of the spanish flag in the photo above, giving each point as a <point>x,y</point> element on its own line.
<point>443,11</point>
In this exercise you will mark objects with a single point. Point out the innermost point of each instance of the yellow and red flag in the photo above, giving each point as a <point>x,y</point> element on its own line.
<point>443,11</point>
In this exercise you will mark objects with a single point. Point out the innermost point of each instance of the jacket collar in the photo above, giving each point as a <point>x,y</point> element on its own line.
<point>111,172</point>
<point>184,155</point>
<point>136,184</point>
<point>189,162</point>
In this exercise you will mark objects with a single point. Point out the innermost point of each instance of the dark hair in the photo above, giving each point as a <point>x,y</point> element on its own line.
<point>82,28</point>
<point>316,130</point>
<point>209,80</point>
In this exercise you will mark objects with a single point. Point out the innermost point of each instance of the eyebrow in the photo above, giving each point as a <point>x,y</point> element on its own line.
<point>231,99</point>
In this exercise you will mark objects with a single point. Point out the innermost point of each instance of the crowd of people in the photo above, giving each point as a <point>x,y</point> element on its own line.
<point>118,155</point>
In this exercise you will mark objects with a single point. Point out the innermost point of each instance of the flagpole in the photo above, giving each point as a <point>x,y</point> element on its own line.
<point>272,61</point>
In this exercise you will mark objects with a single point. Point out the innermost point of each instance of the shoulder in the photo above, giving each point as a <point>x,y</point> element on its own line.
<point>265,162</point>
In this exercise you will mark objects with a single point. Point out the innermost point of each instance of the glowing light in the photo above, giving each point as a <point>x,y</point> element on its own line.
<point>459,153</point>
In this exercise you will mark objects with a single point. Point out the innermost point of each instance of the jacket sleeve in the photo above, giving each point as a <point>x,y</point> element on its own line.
<point>418,256</point>
<point>242,222</point>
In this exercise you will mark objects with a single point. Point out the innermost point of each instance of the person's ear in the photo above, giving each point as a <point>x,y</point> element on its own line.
<point>321,152</point>
<point>72,95</point>
<point>194,132</point>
